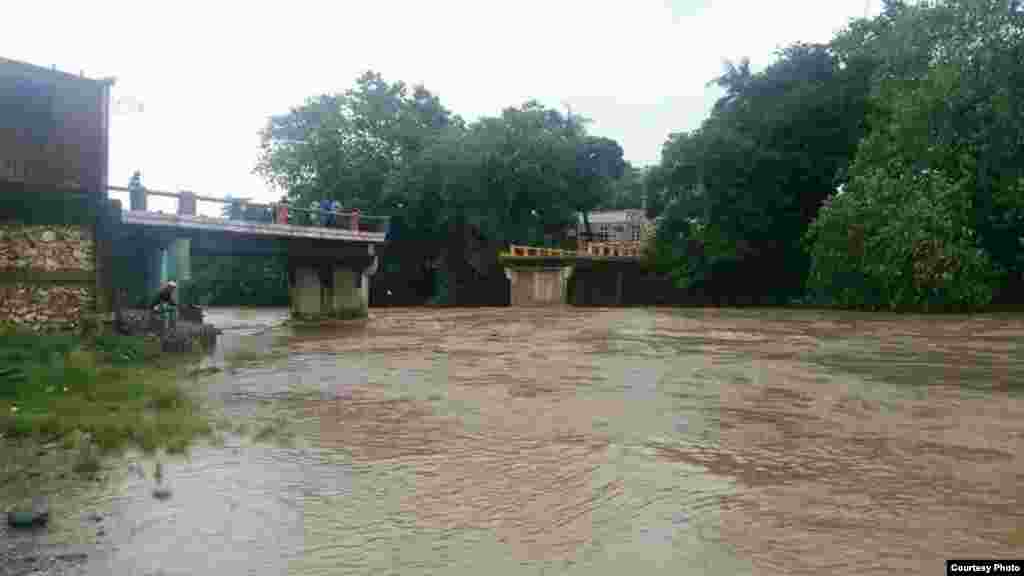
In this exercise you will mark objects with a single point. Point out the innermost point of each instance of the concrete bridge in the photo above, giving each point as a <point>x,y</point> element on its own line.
<point>331,255</point>
<point>550,276</point>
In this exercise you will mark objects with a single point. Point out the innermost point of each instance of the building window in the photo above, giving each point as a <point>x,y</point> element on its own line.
<point>636,233</point>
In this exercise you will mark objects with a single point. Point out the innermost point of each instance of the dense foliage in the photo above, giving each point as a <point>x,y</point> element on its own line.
<point>239,281</point>
<point>452,187</point>
<point>882,170</point>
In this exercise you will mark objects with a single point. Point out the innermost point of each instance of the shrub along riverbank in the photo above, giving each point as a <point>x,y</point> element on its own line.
<point>118,391</point>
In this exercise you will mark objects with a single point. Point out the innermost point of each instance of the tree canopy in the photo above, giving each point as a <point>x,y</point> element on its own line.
<point>880,170</point>
<point>388,149</point>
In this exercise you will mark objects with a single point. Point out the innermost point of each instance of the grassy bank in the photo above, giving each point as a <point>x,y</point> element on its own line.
<point>117,390</point>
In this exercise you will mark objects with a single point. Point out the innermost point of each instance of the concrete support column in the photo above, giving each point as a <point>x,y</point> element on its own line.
<point>181,252</point>
<point>336,290</point>
<point>166,266</point>
<point>348,300</point>
<point>182,249</point>
<point>307,292</point>
<point>537,285</point>
<point>153,262</point>
<point>351,294</point>
<point>177,262</point>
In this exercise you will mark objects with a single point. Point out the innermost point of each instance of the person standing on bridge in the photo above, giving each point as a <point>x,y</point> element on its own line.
<point>281,216</point>
<point>327,218</point>
<point>314,213</point>
<point>335,209</point>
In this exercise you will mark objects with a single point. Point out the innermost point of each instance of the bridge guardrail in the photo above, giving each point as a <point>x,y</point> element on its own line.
<point>271,213</point>
<point>620,249</point>
<point>617,249</point>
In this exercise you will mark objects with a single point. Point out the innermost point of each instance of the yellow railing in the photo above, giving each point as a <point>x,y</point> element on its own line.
<point>614,249</point>
<point>539,252</point>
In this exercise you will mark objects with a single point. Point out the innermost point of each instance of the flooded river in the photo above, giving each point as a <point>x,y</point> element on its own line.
<point>586,441</point>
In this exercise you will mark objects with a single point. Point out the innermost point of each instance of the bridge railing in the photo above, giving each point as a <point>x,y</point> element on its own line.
<point>612,249</point>
<point>269,213</point>
<point>539,252</point>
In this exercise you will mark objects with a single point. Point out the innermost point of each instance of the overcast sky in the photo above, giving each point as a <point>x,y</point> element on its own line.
<point>210,73</point>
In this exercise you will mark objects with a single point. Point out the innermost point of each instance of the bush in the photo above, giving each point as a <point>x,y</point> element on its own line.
<point>900,242</point>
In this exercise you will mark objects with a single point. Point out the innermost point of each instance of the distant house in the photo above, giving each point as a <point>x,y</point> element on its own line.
<point>615,225</point>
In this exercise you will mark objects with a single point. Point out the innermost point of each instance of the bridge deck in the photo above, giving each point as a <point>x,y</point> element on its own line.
<point>190,222</point>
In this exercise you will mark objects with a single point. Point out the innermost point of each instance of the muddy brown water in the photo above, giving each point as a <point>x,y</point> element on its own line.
<point>583,441</point>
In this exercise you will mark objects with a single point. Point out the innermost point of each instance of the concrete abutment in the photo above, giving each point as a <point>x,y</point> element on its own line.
<point>538,285</point>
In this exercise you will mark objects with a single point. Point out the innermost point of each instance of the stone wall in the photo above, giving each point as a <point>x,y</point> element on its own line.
<point>46,248</point>
<point>41,307</point>
<point>47,275</point>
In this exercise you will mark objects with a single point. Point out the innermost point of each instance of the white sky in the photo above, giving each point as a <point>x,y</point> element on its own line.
<point>210,73</point>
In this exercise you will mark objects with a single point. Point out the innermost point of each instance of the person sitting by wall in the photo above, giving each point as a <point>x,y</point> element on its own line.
<point>165,295</point>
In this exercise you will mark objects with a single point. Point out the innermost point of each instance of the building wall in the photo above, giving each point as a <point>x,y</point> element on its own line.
<point>52,128</point>
<point>53,182</point>
<point>47,275</point>
<point>616,226</point>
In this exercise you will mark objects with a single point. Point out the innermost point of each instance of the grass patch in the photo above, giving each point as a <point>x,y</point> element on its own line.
<point>117,389</point>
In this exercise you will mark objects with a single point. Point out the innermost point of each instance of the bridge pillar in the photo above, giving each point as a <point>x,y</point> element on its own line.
<point>336,290</point>
<point>307,292</point>
<point>177,259</point>
<point>538,285</point>
<point>350,292</point>
<point>153,269</point>
<point>350,296</point>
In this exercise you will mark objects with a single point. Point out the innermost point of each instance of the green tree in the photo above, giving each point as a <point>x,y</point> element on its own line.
<point>746,184</point>
<point>458,191</point>
<point>628,191</point>
<point>944,154</point>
